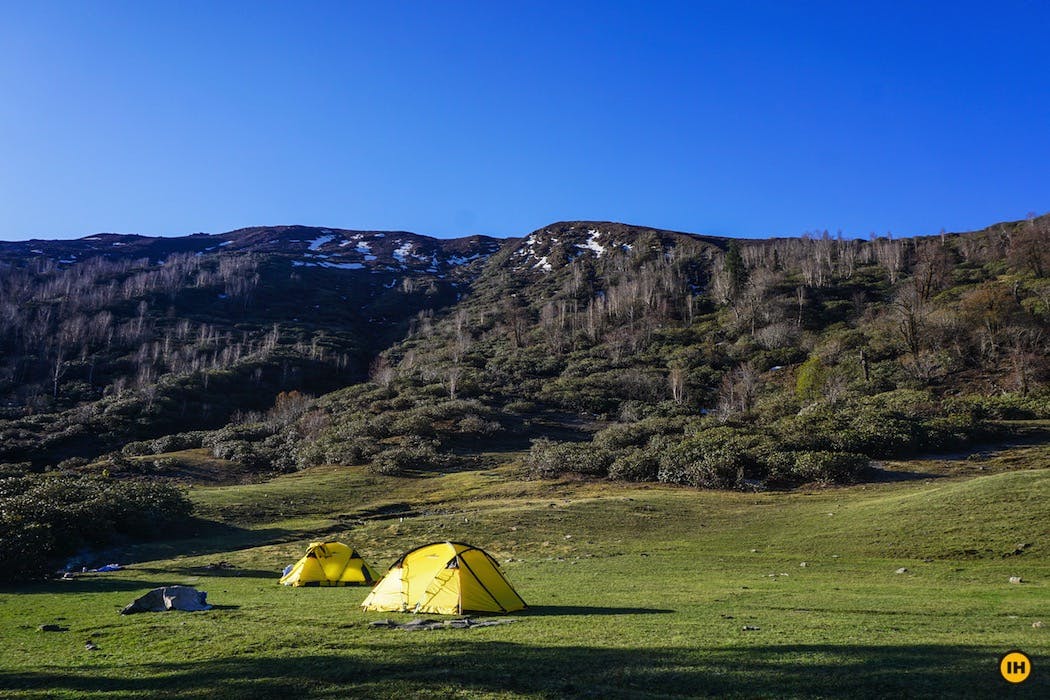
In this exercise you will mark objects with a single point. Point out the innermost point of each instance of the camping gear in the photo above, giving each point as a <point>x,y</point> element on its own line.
<point>330,564</point>
<point>444,578</point>
<point>185,598</point>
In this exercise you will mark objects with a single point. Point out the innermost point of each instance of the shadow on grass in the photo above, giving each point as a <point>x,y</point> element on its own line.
<point>473,667</point>
<point>204,572</point>
<point>554,610</point>
<point>83,584</point>
<point>206,537</point>
<point>880,475</point>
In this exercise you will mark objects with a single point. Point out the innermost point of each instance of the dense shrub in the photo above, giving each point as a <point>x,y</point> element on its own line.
<point>242,452</point>
<point>179,441</point>
<point>46,518</point>
<point>473,424</point>
<point>636,464</point>
<point>547,458</point>
<point>1007,406</point>
<point>350,451</point>
<point>713,458</point>
<point>411,455</point>
<point>624,435</point>
<point>412,423</point>
<point>136,449</point>
<point>829,467</point>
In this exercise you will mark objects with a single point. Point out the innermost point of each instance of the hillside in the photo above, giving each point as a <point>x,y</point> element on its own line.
<point>126,337</point>
<point>110,338</point>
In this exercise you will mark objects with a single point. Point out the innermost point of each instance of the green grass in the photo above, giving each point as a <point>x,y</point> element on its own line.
<point>635,590</point>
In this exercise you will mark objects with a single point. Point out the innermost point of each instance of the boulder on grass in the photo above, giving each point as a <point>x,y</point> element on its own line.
<point>185,598</point>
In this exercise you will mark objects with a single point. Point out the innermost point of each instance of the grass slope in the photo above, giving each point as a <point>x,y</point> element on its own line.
<point>634,591</point>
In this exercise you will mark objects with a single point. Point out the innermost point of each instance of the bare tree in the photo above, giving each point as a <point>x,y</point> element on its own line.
<point>452,377</point>
<point>676,380</point>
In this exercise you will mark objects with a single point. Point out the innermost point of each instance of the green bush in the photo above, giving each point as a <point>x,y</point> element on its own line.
<point>46,518</point>
<point>547,458</point>
<point>242,452</point>
<point>620,436</point>
<point>137,449</point>
<point>713,458</point>
<point>829,467</point>
<point>636,464</point>
<point>1008,406</point>
<point>180,441</point>
<point>473,424</point>
<point>412,454</point>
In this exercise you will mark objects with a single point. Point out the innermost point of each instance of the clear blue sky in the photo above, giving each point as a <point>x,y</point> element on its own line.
<point>452,118</point>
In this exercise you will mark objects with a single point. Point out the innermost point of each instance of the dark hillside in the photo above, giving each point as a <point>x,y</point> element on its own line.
<point>112,338</point>
<point>715,362</point>
<point>708,361</point>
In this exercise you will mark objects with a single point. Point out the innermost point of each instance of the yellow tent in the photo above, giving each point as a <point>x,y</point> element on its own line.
<point>330,564</point>
<point>447,578</point>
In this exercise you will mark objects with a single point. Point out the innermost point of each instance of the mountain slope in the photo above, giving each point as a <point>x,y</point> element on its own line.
<point>111,338</point>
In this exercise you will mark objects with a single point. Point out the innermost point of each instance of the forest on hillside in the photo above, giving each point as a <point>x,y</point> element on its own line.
<point>719,364</point>
<point>598,350</point>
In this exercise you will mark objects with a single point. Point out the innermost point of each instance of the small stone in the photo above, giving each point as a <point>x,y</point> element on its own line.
<point>51,628</point>
<point>90,645</point>
<point>803,565</point>
<point>751,628</point>
<point>1016,579</point>
<point>753,551</point>
<point>901,570</point>
<point>1037,624</point>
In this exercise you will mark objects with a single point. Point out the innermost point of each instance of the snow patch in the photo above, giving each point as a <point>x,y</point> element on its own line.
<point>461,260</point>
<point>403,251</point>
<point>316,243</point>
<point>593,244</point>
<point>331,265</point>
<point>543,264</point>
<point>344,266</point>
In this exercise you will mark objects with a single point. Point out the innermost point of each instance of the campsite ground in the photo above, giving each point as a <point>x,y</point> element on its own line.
<point>635,590</point>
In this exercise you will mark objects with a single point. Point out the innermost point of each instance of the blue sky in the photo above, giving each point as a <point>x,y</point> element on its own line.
<point>454,118</point>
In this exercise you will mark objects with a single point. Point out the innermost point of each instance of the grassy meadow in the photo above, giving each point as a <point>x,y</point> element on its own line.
<point>634,590</point>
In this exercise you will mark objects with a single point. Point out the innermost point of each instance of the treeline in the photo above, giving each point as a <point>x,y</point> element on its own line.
<point>928,340</point>
<point>100,352</point>
<point>712,363</point>
<point>67,333</point>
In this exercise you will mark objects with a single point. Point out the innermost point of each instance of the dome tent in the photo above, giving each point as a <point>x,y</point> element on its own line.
<point>446,578</point>
<point>330,564</point>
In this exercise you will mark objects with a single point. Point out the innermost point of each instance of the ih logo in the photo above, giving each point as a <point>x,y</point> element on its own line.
<point>1015,666</point>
